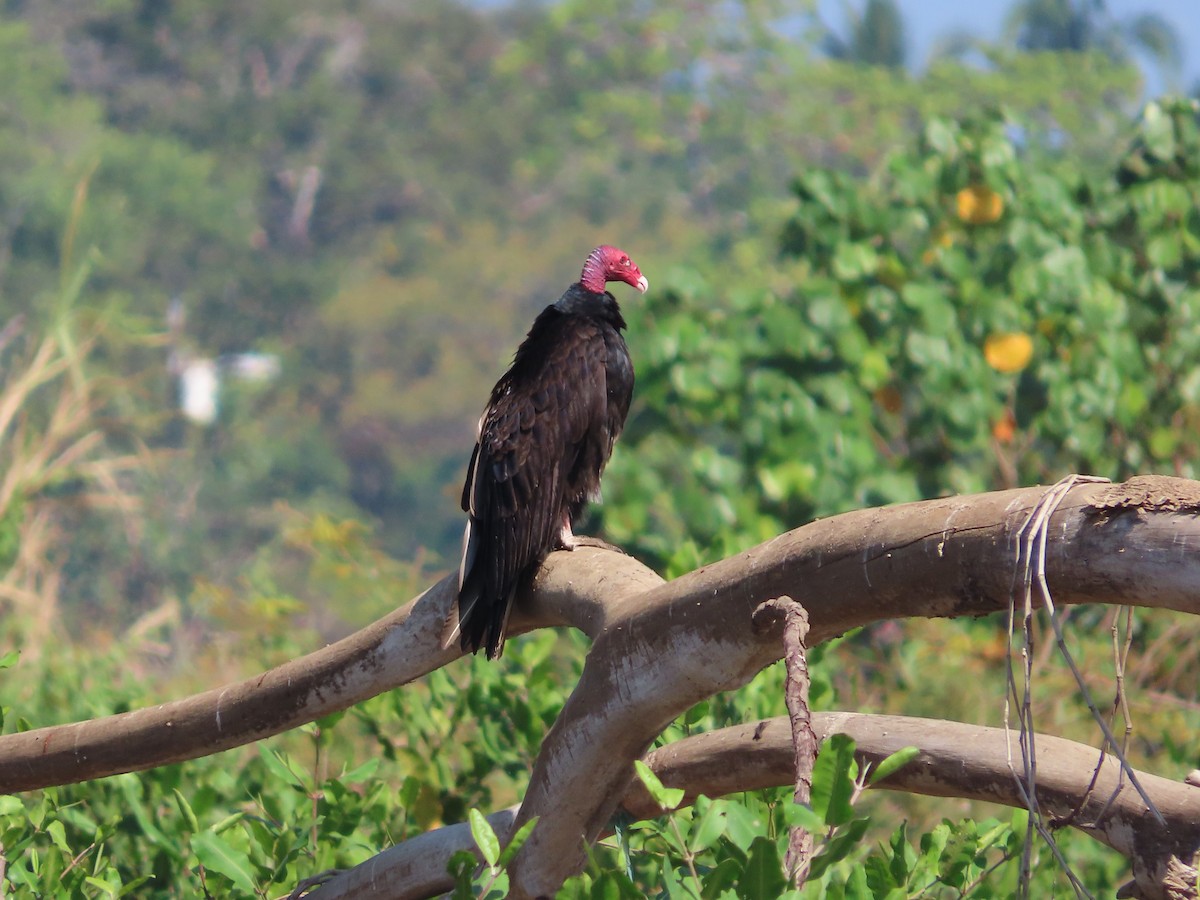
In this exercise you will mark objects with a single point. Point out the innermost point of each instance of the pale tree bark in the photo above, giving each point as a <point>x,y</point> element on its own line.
<point>660,648</point>
<point>955,760</point>
<point>391,652</point>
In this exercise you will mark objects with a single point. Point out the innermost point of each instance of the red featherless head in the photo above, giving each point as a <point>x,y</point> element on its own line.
<point>605,264</point>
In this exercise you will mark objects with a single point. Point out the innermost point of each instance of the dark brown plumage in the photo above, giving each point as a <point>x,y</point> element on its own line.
<point>544,440</point>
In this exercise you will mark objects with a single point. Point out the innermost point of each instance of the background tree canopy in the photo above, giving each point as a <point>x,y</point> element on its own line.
<point>868,285</point>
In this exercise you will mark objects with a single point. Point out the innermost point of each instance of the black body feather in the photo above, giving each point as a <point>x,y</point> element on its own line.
<point>544,440</point>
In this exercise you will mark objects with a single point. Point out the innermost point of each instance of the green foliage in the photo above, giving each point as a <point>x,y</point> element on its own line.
<point>1071,25</point>
<point>667,798</point>
<point>384,195</point>
<point>766,401</point>
<point>735,847</point>
<point>256,821</point>
<point>491,879</point>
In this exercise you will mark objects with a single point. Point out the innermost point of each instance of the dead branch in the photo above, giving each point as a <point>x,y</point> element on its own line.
<point>687,640</point>
<point>393,651</point>
<point>801,845</point>
<point>956,760</point>
<point>660,649</point>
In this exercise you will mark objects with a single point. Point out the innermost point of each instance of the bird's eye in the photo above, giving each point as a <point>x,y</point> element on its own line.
<point>625,261</point>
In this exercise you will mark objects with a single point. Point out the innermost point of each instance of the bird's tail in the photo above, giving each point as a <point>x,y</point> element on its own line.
<point>472,621</point>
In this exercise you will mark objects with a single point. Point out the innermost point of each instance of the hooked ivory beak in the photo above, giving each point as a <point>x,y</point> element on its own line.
<point>642,284</point>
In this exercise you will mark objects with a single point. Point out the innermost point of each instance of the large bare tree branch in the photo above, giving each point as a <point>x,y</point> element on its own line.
<point>393,651</point>
<point>660,648</point>
<point>956,760</point>
<point>398,648</point>
<point>1126,544</point>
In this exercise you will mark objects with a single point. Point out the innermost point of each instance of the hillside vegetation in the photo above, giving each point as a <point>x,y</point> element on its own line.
<point>867,286</point>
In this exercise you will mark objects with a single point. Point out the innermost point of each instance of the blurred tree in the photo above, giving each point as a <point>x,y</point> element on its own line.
<point>1057,307</point>
<point>875,37</point>
<point>1080,25</point>
<point>385,195</point>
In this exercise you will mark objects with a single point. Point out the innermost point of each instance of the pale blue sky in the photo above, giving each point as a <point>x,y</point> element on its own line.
<point>928,20</point>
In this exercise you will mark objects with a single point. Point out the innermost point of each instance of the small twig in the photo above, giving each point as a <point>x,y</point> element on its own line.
<point>965,890</point>
<point>78,858</point>
<point>1120,702</point>
<point>688,856</point>
<point>804,739</point>
<point>1063,487</point>
<point>1031,565</point>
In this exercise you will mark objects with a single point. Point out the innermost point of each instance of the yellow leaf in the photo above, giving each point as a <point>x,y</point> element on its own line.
<point>979,205</point>
<point>1008,352</point>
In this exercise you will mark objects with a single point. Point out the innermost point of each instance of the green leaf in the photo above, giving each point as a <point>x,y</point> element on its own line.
<point>842,844</point>
<point>800,815</point>
<point>743,823</point>
<point>857,887</point>
<point>607,887</point>
<point>763,876</point>
<point>1158,131</point>
<point>185,809</point>
<point>9,659</point>
<point>942,137</point>
<point>833,780</point>
<point>228,822</point>
<point>1165,250</point>
<point>58,834</point>
<point>720,878</point>
<point>499,888</point>
<point>671,882</point>
<point>854,262</point>
<point>214,853</point>
<point>1020,827</point>
<point>361,773</point>
<point>517,842</point>
<point>485,837</point>
<point>101,885</point>
<point>410,790</point>
<point>610,882</point>
<point>898,865</point>
<point>696,713</point>
<point>894,763</point>
<point>710,827</point>
<point>461,866</point>
<point>277,765</point>
<point>1164,442</point>
<point>327,723</point>
<point>667,798</point>
<point>129,887</point>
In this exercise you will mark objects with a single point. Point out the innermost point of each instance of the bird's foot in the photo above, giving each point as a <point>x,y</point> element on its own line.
<point>566,539</point>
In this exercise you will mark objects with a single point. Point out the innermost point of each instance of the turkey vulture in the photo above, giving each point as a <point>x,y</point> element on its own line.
<point>543,441</point>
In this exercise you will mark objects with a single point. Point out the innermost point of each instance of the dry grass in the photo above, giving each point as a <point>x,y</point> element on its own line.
<point>48,437</point>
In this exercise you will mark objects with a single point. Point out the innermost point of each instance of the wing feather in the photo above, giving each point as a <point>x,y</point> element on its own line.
<point>543,440</point>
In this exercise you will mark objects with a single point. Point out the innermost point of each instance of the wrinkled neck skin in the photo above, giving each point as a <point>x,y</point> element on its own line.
<point>592,277</point>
